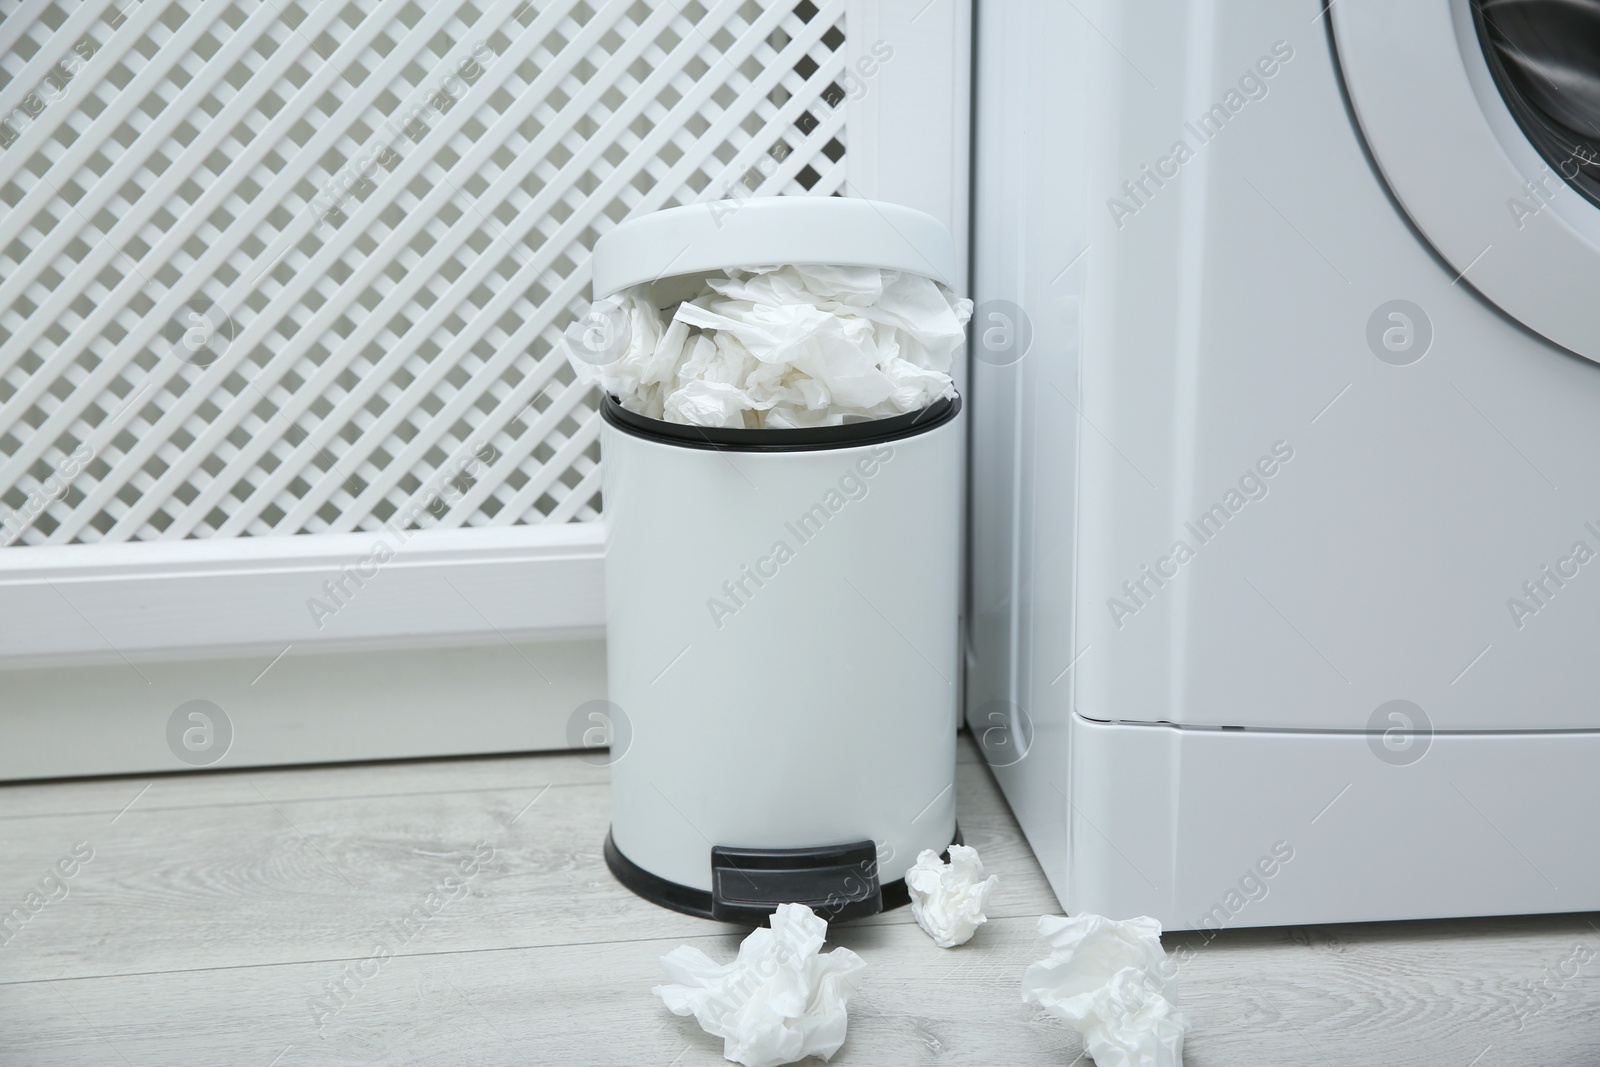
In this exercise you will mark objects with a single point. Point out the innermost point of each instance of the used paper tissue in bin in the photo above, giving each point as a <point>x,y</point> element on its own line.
<point>776,347</point>
<point>948,899</point>
<point>1110,981</point>
<point>780,1001</point>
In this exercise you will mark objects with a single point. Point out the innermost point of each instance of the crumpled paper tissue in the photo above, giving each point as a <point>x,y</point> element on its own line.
<point>776,347</point>
<point>948,899</point>
<point>1111,982</point>
<point>780,1001</point>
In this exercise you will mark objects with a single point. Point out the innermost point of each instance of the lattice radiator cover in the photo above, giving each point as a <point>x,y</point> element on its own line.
<point>294,267</point>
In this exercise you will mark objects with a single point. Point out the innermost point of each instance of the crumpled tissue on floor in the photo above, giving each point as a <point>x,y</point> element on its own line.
<point>1111,982</point>
<point>948,899</point>
<point>780,1001</point>
<point>779,347</point>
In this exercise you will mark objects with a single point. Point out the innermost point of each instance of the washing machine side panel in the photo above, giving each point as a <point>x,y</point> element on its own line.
<point>788,674</point>
<point>1037,94</point>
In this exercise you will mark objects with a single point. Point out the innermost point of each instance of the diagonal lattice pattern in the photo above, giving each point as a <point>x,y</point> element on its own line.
<point>271,268</point>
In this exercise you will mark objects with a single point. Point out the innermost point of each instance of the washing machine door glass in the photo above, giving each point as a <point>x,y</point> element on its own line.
<point>1545,58</point>
<point>1483,117</point>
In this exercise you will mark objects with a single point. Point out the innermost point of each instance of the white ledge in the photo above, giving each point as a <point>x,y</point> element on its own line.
<point>191,599</point>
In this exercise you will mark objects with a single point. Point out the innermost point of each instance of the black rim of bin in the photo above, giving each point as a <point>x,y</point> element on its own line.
<point>805,439</point>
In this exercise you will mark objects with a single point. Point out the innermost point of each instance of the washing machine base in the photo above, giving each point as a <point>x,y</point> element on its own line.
<point>1206,829</point>
<point>703,903</point>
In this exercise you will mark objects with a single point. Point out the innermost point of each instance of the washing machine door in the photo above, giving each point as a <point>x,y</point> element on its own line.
<point>1484,116</point>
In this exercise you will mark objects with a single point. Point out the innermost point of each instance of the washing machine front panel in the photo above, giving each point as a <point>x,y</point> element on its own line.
<point>1517,222</point>
<point>1359,525</point>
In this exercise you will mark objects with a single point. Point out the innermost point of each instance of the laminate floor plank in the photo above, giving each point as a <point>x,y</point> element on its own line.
<point>568,1004</point>
<point>286,879</point>
<point>1406,997</point>
<point>216,914</point>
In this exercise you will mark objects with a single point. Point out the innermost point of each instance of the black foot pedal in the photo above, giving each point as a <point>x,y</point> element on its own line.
<point>836,881</point>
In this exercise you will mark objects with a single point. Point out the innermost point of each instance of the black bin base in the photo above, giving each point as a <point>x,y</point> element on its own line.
<point>750,876</point>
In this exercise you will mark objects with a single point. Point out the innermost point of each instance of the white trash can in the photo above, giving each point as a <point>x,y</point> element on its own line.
<point>781,607</point>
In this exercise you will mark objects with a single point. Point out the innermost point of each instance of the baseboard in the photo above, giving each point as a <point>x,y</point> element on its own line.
<point>300,708</point>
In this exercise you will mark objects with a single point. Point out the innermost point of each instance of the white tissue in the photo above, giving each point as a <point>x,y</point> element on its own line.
<point>948,899</point>
<point>1110,982</point>
<point>783,346</point>
<point>780,1001</point>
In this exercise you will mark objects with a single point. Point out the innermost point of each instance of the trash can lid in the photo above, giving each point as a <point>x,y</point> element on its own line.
<point>768,230</point>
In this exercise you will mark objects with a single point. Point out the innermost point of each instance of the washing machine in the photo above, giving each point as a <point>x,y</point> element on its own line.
<point>1284,575</point>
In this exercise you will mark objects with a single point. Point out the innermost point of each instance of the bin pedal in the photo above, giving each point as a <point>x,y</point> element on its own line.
<point>835,881</point>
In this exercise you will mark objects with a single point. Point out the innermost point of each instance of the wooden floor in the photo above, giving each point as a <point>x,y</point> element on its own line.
<point>217,909</point>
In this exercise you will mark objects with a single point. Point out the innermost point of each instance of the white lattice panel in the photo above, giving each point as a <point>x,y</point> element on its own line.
<point>303,267</point>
